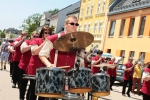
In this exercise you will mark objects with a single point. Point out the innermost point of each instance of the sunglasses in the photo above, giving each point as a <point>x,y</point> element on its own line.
<point>46,32</point>
<point>76,24</point>
<point>23,34</point>
<point>35,36</point>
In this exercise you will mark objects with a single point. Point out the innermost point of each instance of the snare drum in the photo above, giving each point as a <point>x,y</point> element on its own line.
<point>79,81</point>
<point>50,82</point>
<point>100,84</point>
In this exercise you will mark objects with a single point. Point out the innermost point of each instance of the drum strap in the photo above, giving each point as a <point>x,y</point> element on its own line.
<point>56,55</point>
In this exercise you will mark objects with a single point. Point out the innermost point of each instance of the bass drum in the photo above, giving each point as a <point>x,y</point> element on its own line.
<point>50,82</point>
<point>79,80</point>
<point>100,84</point>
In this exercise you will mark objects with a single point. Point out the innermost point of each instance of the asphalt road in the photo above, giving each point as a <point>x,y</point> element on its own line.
<point>9,93</point>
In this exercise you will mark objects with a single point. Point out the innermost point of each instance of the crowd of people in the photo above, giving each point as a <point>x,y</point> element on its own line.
<point>26,55</point>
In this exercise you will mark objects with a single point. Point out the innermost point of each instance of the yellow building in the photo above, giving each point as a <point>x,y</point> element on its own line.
<point>128,30</point>
<point>93,19</point>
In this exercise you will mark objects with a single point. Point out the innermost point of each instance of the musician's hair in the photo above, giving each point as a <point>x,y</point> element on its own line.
<point>70,16</point>
<point>148,64</point>
<point>44,29</point>
<point>99,52</point>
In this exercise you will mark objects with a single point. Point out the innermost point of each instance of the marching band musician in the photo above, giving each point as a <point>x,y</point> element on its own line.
<point>98,59</point>
<point>112,72</point>
<point>58,58</point>
<point>17,55</point>
<point>34,63</point>
<point>146,82</point>
<point>25,58</point>
<point>128,72</point>
<point>63,58</point>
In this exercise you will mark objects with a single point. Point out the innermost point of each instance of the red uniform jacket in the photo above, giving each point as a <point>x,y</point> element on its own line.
<point>35,61</point>
<point>25,58</point>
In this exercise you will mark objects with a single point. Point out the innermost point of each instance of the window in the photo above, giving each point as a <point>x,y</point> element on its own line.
<point>108,50</point>
<point>82,12</point>
<point>87,11</point>
<point>103,7</point>
<point>122,27</point>
<point>100,27</point>
<point>98,8</point>
<point>88,27</point>
<point>132,54</point>
<point>84,27</point>
<point>112,28</point>
<point>91,10</point>
<point>142,58</point>
<point>122,53</point>
<point>142,26</point>
<point>131,26</point>
<point>95,27</point>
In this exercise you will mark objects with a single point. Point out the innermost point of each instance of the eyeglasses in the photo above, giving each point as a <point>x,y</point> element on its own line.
<point>23,34</point>
<point>76,24</point>
<point>35,36</point>
<point>46,32</point>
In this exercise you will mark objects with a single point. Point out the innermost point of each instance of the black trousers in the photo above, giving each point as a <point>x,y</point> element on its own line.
<point>146,97</point>
<point>32,95</point>
<point>15,74</point>
<point>125,85</point>
<point>112,81</point>
<point>23,84</point>
<point>11,68</point>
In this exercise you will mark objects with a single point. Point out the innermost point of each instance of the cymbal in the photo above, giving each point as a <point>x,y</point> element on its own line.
<point>73,41</point>
<point>105,65</point>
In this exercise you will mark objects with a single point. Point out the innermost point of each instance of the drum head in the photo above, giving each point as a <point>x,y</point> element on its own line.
<point>50,95</point>
<point>100,94</point>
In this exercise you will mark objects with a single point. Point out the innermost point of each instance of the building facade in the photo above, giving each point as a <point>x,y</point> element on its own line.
<point>128,30</point>
<point>93,19</point>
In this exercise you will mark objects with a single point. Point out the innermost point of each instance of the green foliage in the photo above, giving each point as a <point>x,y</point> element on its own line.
<point>53,11</point>
<point>11,36</point>
<point>2,35</point>
<point>31,23</point>
<point>53,28</point>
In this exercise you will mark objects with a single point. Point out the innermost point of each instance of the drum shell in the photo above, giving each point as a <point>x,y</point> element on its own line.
<point>100,84</point>
<point>79,78</point>
<point>50,81</point>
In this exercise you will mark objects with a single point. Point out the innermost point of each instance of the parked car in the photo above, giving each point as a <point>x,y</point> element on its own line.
<point>120,73</point>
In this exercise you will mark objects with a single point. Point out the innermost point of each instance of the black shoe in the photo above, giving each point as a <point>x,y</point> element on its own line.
<point>14,86</point>
<point>124,95</point>
<point>4,67</point>
<point>128,94</point>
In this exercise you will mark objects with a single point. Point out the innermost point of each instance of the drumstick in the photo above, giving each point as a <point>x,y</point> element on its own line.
<point>64,67</point>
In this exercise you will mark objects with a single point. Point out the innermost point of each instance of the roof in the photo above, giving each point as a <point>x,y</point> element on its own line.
<point>128,5</point>
<point>64,8</point>
<point>74,11</point>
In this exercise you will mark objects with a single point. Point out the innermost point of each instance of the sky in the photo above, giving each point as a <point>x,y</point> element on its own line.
<point>14,12</point>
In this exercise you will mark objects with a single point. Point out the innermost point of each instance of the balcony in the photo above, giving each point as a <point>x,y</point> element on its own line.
<point>90,17</point>
<point>86,17</point>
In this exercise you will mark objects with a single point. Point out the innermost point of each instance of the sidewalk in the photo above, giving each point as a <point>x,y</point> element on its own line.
<point>6,90</point>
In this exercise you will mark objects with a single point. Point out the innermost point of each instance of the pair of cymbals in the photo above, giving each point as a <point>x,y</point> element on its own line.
<point>73,41</point>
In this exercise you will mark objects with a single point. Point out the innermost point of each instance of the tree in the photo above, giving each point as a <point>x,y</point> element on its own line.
<point>11,36</point>
<point>2,35</point>
<point>31,23</point>
<point>53,11</point>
